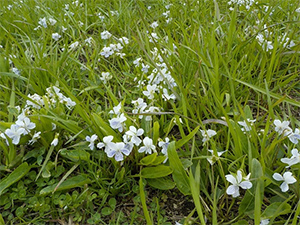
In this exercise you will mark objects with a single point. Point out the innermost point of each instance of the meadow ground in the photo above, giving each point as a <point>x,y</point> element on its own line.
<point>149,112</point>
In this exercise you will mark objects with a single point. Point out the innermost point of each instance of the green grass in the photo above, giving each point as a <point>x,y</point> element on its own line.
<point>216,67</point>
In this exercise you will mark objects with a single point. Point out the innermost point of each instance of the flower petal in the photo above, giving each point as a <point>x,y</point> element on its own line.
<point>277,177</point>
<point>246,185</point>
<point>231,179</point>
<point>232,190</point>
<point>284,187</point>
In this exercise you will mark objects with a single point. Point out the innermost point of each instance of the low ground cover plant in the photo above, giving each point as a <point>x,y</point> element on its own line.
<point>149,112</point>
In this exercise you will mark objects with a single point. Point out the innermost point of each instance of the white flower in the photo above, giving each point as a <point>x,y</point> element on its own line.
<point>92,140</point>
<point>294,136</point>
<point>287,179</point>
<point>56,36</point>
<point>55,140</point>
<point>137,62</point>
<point>24,122</point>
<point>69,103</point>
<point>154,24</point>
<point>105,76</point>
<point>106,52</point>
<point>148,146</point>
<point>145,68</point>
<point>15,133</point>
<point>164,146</point>
<point>264,222</point>
<point>166,95</point>
<point>117,123</point>
<point>151,89</point>
<point>124,40</point>
<point>16,71</point>
<point>236,183</point>
<point>207,134</point>
<point>295,159</point>
<point>212,159</point>
<point>151,109</point>
<point>107,143</point>
<point>246,124</point>
<point>133,134</point>
<point>35,137</point>
<point>52,21</point>
<point>116,109</point>
<point>43,22</point>
<point>74,45</point>
<point>117,150</point>
<point>281,127</point>
<point>105,35</point>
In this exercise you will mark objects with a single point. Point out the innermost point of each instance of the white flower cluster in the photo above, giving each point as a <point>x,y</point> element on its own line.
<point>282,128</point>
<point>160,80</point>
<point>23,125</point>
<point>112,49</point>
<point>131,136</point>
<point>44,22</point>
<point>246,3</point>
<point>265,39</point>
<point>53,96</point>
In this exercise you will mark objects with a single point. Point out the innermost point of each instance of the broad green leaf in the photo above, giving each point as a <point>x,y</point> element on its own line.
<point>179,175</point>
<point>155,132</point>
<point>75,155</point>
<point>184,140</point>
<point>1,220</point>
<point>148,159</point>
<point>15,176</point>
<point>73,182</point>
<point>276,209</point>
<point>162,183</point>
<point>155,172</point>
<point>106,211</point>
<point>159,159</point>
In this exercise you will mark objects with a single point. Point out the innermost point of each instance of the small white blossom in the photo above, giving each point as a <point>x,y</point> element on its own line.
<point>24,122</point>
<point>55,140</point>
<point>237,182</point>
<point>74,45</point>
<point>56,36</point>
<point>151,89</point>
<point>52,21</point>
<point>148,146</point>
<point>107,143</point>
<point>117,150</point>
<point>164,145</point>
<point>212,159</point>
<point>246,125</point>
<point>14,133</point>
<point>207,134</point>
<point>264,222</point>
<point>35,137</point>
<point>287,179</point>
<point>105,35</point>
<point>134,134</point>
<point>91,140</point>
<point>295,159</point>
<point>106,52</point>
<point>281,127</point>
<point>118,122</point>
<point>105,77</point>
